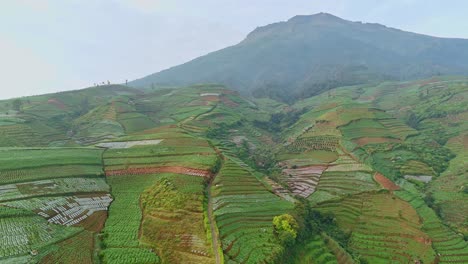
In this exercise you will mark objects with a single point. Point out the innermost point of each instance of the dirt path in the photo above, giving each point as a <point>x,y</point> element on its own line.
<point>214,235</point>
<point>161,169</point>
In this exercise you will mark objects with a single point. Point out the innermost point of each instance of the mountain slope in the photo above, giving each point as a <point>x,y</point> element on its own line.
<point>309,54</point>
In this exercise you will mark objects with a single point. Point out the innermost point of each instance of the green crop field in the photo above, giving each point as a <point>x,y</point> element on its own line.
<point>364,174</point>
<point>121,230</point>
<point>244,210</point>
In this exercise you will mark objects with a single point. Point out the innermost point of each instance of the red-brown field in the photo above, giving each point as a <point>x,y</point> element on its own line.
<point>152,170</point>
<point>385,182</point>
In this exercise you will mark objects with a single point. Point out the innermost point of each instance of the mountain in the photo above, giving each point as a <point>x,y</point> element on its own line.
<point>309,54</point>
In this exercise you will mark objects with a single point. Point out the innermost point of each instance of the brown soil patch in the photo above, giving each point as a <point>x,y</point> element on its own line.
<point>57,103</point>
<point>94,222</point>
<point>385,182</point>
<point>166,169</point>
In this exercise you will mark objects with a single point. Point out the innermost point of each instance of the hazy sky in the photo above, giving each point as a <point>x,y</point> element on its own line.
<point>56,45</point>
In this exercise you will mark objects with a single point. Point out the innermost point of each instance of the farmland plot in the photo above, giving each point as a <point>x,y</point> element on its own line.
<point>23,231</point>
<point>303,181</point>
<point>450,246</point>
<point>121,231</point>
<point>244,211</point>
<point>24,165</point>
<point>65,211</point>
<point>57,186</point>
<point>173,219</point>
<point>384,228</point>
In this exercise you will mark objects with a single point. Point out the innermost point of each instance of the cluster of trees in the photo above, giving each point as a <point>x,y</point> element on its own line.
<point>296,229</point>
<point>285,227</point>
<point>280,120</point>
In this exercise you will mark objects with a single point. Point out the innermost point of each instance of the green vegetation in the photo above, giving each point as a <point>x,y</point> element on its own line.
<point>173,207</point>
<point>244,212</point>
<point>202,175</point>
<point>120,240</point>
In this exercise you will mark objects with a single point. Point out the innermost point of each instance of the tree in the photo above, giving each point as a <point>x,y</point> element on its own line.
<point>285,227</point>
<point>17,105</point>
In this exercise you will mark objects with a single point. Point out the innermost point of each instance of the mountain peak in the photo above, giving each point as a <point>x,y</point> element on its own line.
<point>320,17</point>
<point>310,53</point>
<point>299,21</point>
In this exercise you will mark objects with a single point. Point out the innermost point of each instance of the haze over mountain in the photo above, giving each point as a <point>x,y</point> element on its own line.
<point>309,54</point>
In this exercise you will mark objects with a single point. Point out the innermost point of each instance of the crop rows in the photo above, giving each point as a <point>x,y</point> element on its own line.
<point>383,228</point>
<point>244,211</point>
<point>66,211</point>
<point>451,247</point>
<point>398,127</point>
<point>52,187</point>
<point>366,128</point>
<point>303,144</point>
<point>23,231</point>
<point>316,251</point>
<point>346,182</point>
<point>48,172</point>
<point>303,181</point>
<point>77,249</point>
<point>19,135</point>
<point>122,226</point>
<point>174,221</point>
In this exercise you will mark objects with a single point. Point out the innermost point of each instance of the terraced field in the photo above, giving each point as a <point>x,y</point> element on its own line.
<point>49,196</point>
<point>161,214</point>
<point>121,231</point>
<point>23,165</point>
<point>383,228</point>
<point>244,211</point>
<point>450,246</point>
<point>174,219</point>
<point>178,153</point>
<point>169,175</point>
<point>25,233</point>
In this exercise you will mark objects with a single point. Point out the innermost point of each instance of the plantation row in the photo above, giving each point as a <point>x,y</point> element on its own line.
<point>451,247</point>
<point>383,228</point>
<point>38,186</point>
<point>77,249</point>
<point>316,251</point>
<point>244,211</point>
<point>19,135</point>
<point>65,211</point>
<point>303,144</point>
<point>368,128</point>
<point>23,231</point>
<point>174,219</point>
<point>52,187</point>
<point>303,181</point>
<point>342,177</point>
<point>122,226</point>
